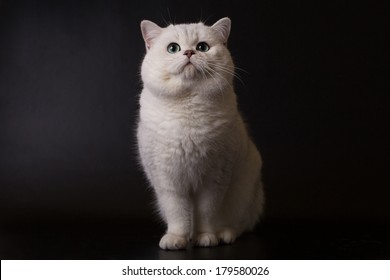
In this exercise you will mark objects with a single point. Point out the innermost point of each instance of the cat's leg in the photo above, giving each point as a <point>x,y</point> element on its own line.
<point>207,203</point>
<point>240,212</point>
<point>227,234</point>
<point>244,200</point>
<point>209,198</point>
<point>228,228</point>
<point>237,218</point>
<point>176,209</point>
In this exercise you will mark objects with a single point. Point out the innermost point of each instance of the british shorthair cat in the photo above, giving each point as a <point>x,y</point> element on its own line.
<point>192,142</point>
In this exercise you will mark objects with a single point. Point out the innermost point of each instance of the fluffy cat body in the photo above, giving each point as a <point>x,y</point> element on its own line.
<point>192,141</point>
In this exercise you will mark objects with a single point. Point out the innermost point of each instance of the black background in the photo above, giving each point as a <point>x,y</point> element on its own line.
<point>315,93</point>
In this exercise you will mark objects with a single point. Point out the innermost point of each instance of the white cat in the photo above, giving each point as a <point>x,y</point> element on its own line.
<point>192,141</point>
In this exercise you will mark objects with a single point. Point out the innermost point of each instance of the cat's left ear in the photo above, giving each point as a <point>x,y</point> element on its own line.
<point>223,27</point>
<point>150,31</point>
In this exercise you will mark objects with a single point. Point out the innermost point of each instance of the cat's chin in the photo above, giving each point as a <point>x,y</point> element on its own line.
<point>189,72</point>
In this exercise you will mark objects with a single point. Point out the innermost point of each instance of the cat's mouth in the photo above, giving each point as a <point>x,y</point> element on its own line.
<point>188,69</point>
<point>189,63</point>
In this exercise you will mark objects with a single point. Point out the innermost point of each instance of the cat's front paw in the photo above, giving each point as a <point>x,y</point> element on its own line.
<point>206,240</point>
<point>173,242</point>
<point>227,235</point>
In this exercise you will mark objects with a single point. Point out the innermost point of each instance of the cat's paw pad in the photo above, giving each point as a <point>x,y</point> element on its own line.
<point>227,236</point>
<point>173,242</point>
<point>206,240</point>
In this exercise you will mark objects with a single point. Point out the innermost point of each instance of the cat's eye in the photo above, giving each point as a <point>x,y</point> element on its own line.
<point>203,47</point>
<point>173,48</point>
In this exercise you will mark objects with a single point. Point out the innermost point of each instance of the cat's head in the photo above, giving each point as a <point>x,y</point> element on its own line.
<point>187,57</point>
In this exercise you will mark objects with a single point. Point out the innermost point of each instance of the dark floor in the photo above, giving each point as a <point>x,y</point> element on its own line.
<point>139,240</point>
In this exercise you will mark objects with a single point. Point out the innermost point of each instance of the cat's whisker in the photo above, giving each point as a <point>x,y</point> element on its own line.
<point>212,76</point>
<point>224,68</point>
<point>203,73</point>
<point>222,77</point>
<point>221,62</point>
<point>227,70</point>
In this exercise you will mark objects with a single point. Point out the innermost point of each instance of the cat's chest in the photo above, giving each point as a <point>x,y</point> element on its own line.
<point>187,127</point>
<point>187,131</point>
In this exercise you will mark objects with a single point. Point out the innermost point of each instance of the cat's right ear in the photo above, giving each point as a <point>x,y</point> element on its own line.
<point>150,31</point>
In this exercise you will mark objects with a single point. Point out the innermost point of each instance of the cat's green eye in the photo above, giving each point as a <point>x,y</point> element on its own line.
<point>173,48</point>
<point>203,47</point>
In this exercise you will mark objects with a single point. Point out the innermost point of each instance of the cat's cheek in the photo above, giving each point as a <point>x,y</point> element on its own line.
<point>165,76</point>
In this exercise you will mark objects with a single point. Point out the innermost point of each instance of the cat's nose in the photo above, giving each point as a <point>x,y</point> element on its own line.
<point>189,53</point>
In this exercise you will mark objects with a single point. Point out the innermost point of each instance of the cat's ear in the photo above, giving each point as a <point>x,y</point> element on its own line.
<point>223,27</point>
<point>150,31</point>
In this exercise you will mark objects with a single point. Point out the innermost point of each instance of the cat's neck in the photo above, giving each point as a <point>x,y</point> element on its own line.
<point>191,100</point>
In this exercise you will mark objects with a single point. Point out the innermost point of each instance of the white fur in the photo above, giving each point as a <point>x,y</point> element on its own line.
<point>192,141</point>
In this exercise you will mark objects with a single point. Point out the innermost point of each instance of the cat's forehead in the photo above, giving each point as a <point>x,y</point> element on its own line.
<point>188,32</point>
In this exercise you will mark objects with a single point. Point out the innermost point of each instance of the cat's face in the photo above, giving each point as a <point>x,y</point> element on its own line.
<point>187,57</point>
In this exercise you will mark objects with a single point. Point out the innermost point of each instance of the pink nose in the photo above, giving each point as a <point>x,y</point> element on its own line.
<point>189,53</point>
